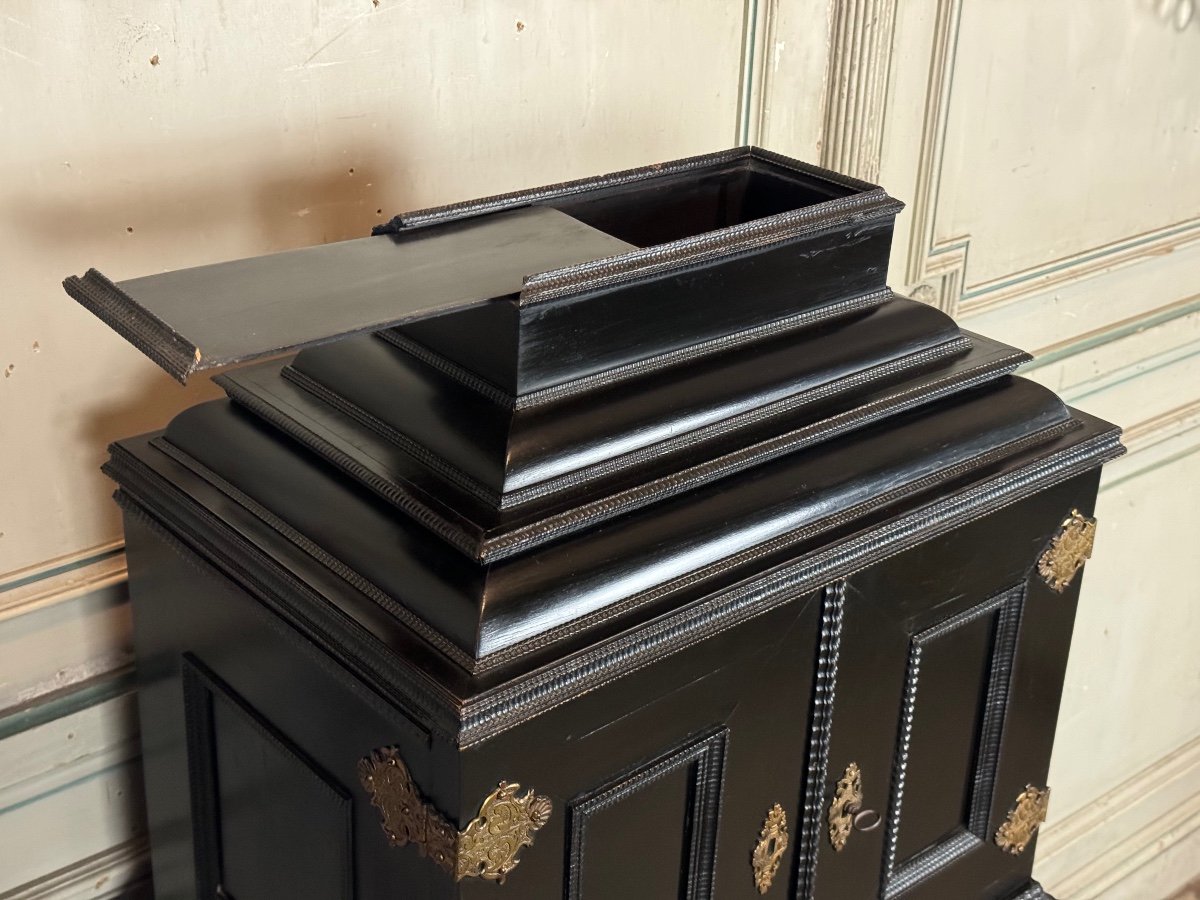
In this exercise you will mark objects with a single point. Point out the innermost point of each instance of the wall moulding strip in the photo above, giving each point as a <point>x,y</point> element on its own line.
<point>1097,847</point>
<point>936,268</point>
<point>70,789</point>
<point>62,578</point>
<point>1154,430</point>
<point>860,58</point>
<point>1079,392</point>
<point>758,36</point>
<point>1121,862</point>
<point>72,699</point>
<point>62,631</point>
<point>1085,264</point>
<point>1163,441</point>
<point>921,256</point>
<point>93,733</point>
<point>1113,331</point>
<point>111,873</point>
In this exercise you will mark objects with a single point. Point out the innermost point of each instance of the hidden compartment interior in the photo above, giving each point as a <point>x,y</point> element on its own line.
<point>665,208</point>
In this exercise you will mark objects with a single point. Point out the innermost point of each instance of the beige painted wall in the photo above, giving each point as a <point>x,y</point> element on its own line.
<point>265,126</point>
<point>1048,151</point>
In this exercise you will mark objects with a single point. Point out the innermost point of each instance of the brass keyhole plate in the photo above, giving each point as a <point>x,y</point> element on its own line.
<point>846,805</point>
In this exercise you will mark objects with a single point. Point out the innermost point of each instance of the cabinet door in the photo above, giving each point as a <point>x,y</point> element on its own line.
<point>663,780</point>
<point>950,672</point>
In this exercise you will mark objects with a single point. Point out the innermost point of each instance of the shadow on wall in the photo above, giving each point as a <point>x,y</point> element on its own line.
<point>181,214</point>
<point>262,204</point>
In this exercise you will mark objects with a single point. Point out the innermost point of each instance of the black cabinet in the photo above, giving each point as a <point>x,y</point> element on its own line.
<point>952,662</point>
<point>620,540</point>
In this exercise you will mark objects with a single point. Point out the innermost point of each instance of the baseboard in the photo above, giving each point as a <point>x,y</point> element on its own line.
<point>1140,841</point>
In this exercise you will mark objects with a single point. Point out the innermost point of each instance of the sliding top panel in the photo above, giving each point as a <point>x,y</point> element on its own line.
<point>592,260</point>
<point>215,315</point>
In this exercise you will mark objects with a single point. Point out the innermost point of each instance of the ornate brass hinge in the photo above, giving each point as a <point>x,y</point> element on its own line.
<point>1024,819</point>
<point>768,852</point>
<point>1068,550</point>
<point>487,848</point>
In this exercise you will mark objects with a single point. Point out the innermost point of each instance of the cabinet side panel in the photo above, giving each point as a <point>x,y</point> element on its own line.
<point>280,820</point>
<point>271,793</point>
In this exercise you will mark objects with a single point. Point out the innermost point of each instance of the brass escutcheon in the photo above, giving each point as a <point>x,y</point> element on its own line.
<point>846,806</point>
<point>772,844</point>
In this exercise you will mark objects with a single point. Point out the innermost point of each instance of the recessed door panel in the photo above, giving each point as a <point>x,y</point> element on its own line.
<point>952,719</point>
<point>948,680</point>
<point>663,815</point>
<point>272,819</point>
<point>662,781</point>
<point>949,683</point>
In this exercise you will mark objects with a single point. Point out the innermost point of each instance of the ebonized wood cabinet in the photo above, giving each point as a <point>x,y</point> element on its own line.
<point>626,538</point>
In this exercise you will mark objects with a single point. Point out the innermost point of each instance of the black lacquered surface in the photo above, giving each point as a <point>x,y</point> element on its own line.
<point>240,310</point>
<point>505,450</point>
<point>487,609</point>
<point>659,539</point>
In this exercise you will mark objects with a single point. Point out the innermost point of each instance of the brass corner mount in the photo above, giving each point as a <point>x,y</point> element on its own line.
<point>1024,819</point>
<point>1067,551</point>
<point>487,848</point>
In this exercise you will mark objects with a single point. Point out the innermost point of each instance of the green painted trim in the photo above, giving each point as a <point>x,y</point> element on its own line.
<point>1154,466</point>
<point>67,785</point>
<point>1116,333</point>
<point>1085,257</point>
<point>1117,377</point>
<point>943,128</point>
<point>69,701</point>
<point>60,570</point>
<point>749,72</point>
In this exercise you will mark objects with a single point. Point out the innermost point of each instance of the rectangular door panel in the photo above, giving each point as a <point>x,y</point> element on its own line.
<point>952,656</point>
<point>952,718</point>
<point>662,780</point>
<point>665,810</point>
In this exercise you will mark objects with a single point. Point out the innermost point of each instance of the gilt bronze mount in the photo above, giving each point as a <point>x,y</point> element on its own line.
<point>487,848</point>
<point>768,852</point>
<point>1024,819</point>
<point>847,801</point>
<point>1069,549</point>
